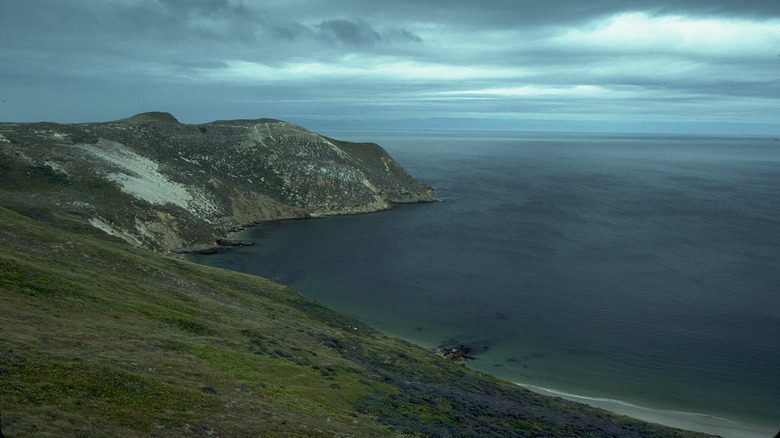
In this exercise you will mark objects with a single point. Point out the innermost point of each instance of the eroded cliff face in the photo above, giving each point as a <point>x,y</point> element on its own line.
<point>160,184</point>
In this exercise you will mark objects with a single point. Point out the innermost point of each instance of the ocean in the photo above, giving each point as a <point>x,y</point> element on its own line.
<point>642,269</point>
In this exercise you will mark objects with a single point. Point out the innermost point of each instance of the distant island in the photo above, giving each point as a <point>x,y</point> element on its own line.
<point>104,333</point>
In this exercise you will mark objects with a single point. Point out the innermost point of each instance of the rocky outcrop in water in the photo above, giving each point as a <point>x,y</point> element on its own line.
<point>168,186</point>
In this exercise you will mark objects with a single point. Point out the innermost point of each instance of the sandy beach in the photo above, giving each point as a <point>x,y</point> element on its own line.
<point>681,420</point>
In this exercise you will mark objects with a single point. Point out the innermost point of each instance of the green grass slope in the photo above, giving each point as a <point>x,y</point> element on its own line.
<point>99,339</point>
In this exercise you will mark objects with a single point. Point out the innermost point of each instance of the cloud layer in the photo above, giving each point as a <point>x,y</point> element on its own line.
<point>690,66</point>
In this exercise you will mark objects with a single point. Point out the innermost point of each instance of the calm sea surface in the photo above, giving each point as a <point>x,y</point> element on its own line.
<point>638,268</point>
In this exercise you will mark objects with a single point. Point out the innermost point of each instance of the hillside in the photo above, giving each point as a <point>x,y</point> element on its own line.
<point>104,336</point>
<point>171,187</point>
<point>103,339</point>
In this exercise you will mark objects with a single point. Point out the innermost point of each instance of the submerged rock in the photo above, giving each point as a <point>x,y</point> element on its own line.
<point>457,353</point>
<point>160,184</point>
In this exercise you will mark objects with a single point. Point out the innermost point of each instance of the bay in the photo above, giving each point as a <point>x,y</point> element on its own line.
<point>635,268</point>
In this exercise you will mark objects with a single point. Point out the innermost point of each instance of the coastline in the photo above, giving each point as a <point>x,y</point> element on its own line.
<point>681,420</point>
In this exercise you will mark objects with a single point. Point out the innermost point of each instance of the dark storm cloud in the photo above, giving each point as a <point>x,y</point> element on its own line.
<point>202,19</point>
<point>357,33</point>
<point>360,33</point>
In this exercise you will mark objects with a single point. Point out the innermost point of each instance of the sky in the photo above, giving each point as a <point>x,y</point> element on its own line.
<point>686,66</point>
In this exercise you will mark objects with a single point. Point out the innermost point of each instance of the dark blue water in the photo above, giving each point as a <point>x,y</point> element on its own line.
<point>642,269</point>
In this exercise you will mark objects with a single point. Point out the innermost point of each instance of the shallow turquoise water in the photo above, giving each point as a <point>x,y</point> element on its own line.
<point>642,269</point>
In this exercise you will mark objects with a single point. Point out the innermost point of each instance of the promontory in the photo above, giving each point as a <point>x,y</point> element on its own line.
<point>172,187</point>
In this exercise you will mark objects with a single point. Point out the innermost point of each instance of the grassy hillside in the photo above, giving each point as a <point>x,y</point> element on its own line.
<point>100,339</point>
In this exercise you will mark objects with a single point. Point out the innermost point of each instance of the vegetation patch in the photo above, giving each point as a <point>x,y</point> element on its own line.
<point>299,387</point>
<point>86,391</point>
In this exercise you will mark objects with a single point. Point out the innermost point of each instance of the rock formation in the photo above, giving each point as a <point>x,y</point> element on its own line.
<point>172,187</point>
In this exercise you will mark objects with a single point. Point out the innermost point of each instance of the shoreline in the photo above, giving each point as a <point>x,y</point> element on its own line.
<point>690,421</point>
<point>681,420</point>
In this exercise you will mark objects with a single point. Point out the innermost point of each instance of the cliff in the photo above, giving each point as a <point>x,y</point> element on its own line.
<point>168,186</point>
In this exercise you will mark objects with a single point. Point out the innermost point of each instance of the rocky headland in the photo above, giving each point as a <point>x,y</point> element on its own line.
<point>173,187</point>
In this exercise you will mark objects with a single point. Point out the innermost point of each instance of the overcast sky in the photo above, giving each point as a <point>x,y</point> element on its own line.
<point>686,66</point>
